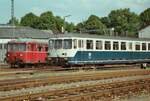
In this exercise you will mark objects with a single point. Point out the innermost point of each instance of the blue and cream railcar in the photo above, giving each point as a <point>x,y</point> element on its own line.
<point>81,49</point>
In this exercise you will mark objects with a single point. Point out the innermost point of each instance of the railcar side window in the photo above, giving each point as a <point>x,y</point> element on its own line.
<point>89,44</point>
<point>107,45</point>
<point>115,45</point>
<point>80,44</point>
<point>67,44</point>
<point>74,43</point>
<point>123,45</point>
<point>148,46</point>
<point>1,46</point>
<point>137,46</point>
<point>99,45</point>
<point>39,48</point>
<point>143,46</point>
<point>58,44</point>
<point>130,46</point>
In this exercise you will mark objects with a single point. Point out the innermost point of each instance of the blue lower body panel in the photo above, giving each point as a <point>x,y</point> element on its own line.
<point>109,57</point>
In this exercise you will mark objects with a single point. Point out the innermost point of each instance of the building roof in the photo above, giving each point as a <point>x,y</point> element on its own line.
<point>146,28</point>
<point>84,35</point>
<point>10,32</point>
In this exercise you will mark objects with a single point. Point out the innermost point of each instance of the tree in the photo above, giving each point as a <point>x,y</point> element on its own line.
<point>16,21</point>
<point>124,22</point>
<point>145,18</point>
<point>47,21</point>
<point>94,26</point>
<point>59,22</point>
<point>30,20</point>
<point>70,27</point>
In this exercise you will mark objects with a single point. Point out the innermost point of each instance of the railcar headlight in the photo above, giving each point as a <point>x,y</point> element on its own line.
<point>21,54</point>
<point>8,55</point>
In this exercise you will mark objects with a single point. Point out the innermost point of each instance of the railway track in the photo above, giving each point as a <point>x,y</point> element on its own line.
<point>7,85</point>
<point>102,92</point>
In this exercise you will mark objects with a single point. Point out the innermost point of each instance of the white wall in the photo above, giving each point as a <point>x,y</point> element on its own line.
<point>3,50</point>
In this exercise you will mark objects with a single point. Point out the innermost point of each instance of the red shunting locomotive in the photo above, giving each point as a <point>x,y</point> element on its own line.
<point>27,52</point>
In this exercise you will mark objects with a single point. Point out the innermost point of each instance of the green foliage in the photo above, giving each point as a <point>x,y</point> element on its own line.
<point>30,20</point>
<point>93,25</point>
<point>16,21</point>
<point>47,21</point>
<point>145,17</point>
<point>70,27</point>
<point>124,21</point>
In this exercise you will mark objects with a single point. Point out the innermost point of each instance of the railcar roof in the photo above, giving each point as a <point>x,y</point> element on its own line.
<point>83,35</point>
<point>28,41</point>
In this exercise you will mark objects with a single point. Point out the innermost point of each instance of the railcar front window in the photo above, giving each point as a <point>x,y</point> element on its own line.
<point>107,45</point>
<point>58,44</point>
<point>16,47</point>
<point>89,44</point>
<point>22,47</point>
<point>67,44</point>
<point>51,44</point>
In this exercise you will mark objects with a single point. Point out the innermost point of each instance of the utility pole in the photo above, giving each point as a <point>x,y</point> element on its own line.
<point>12,17</point>
<point>12,12</point>
<point>64,24</point>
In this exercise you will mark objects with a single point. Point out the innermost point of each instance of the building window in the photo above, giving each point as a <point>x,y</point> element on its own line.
<point>123,45</point>
<point>137,46</point>
<point>143,46</point>
<point>89,44</point>
<point>107,45</point>
<point>99,45</point>
<point>130,46</point>
<point>115,45</point>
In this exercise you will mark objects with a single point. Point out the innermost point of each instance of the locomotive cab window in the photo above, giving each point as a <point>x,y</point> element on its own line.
<point>137,46</point>
<point>99,45</point>
<point>123,45</point>
<point>107,45</point>
<point>143,46</point>
<point>67,44</point>
<point>89,44</point>
<point>115,45</point>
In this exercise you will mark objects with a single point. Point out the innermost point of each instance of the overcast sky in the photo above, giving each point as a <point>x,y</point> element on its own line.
<point>78,9</point>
